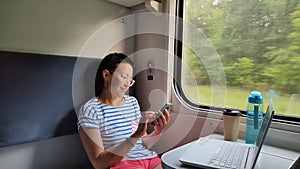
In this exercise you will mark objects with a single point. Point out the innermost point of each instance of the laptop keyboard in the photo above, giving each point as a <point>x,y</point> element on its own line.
<point>228,156</point>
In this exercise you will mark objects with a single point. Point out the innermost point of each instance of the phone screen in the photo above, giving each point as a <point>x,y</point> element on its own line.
<point>166,106</point>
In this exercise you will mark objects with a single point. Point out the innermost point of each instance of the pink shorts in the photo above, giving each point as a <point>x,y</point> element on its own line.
<point>133,164</point>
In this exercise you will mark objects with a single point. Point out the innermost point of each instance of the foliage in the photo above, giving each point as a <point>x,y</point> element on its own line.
<point>258,42</point>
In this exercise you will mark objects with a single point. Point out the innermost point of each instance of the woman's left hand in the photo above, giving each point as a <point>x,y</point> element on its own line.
<point>161,121</point>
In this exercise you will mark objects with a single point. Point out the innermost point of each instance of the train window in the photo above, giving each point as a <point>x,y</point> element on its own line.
<point>257,45</point>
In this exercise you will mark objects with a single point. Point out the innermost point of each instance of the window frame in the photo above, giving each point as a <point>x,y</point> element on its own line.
<point>177,81</point>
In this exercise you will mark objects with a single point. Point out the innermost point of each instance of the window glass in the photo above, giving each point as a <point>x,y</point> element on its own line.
<point>257,43</point>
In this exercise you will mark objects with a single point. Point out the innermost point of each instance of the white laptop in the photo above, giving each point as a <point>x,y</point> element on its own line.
<point>209,152</point>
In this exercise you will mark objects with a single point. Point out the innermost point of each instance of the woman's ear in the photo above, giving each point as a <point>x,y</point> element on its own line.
<point>105,74</point>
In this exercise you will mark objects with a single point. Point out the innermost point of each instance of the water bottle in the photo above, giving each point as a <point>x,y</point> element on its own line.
<point>254,116</point>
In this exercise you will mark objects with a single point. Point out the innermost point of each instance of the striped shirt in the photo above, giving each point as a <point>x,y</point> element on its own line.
<point>115,123</point>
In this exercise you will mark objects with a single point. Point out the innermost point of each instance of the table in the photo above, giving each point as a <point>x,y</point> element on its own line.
<point>270,157</point>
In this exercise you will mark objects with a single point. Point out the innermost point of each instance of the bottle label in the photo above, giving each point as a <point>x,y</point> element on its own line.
<point>256,117</point>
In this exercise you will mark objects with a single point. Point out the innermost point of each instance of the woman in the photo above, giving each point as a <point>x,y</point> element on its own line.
<point>111,126</point>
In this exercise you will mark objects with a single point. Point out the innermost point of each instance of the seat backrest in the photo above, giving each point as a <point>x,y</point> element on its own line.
<point>36,100</point>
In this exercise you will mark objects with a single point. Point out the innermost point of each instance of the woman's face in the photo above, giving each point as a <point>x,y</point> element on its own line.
<point>121,79</point>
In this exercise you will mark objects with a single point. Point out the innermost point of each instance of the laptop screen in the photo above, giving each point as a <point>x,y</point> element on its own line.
<point>263,130</point>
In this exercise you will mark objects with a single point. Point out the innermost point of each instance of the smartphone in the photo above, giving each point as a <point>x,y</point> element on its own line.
<point>167,106</point>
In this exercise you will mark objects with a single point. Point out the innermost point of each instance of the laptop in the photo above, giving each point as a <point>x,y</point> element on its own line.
<point>206,151</point>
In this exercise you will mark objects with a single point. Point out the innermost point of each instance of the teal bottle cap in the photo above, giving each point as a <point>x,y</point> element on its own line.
<point>255,97</point>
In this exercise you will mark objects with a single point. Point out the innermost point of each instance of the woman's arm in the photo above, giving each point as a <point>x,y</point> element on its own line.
<point>100,158</point>
<point>160,123</point>
<point>103,159</point>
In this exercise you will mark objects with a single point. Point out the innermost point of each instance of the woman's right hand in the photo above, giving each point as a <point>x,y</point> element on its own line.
<point>142,127</point>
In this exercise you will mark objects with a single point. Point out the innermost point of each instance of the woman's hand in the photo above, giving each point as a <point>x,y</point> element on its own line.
<point>142,127</point>
<point>161,121</point>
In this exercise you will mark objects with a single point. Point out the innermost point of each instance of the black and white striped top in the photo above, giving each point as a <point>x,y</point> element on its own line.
<point>115,123</point>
